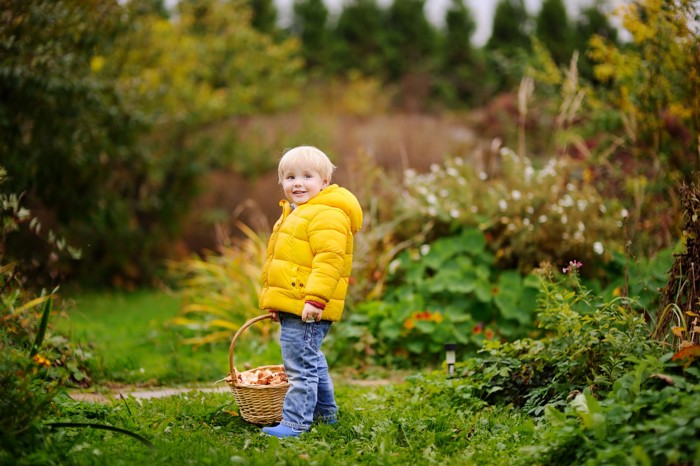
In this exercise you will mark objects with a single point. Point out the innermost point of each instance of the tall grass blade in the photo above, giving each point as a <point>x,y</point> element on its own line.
<point>42,327</point>
<point>55,425</point>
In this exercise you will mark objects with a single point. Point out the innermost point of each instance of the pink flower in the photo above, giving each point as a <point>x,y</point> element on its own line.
<point>573,265</point>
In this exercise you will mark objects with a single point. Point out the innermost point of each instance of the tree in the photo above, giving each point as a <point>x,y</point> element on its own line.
<point>552,28</point>
<point>510,27</point>
<point>410,38</point>
<point>106,116</point>
<point>310,24</point>
<point>264,15</point>
<point>509,42</point>
<point>58,121</point>
<point>591,21</point>
<point>652,85</point>
<point>460,64</point>
<point>148,7</point>
<point>360,39</point>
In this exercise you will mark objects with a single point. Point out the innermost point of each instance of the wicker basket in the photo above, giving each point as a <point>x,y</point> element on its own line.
<point>258,404</point>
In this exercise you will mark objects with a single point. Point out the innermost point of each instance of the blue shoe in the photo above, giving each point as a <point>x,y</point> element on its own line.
<point>327,421</point>
<point>281,431</point>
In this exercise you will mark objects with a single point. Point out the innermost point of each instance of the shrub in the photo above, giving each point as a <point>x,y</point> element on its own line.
<point>586,343</point>
<point>35,365</point>
<point>529,214</point>
<point>443,292</point>
<point>220,291</point>
<point>650,417</point>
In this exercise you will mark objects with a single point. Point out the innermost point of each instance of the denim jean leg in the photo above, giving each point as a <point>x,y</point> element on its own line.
<point>301,351</point>
<point>326,409</point>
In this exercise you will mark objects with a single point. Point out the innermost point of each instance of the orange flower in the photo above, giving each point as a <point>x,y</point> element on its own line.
<point>41,361</point>
<point>478,328</point>
<point>408,324</point>
<point>425,315</point>
<point>488,333</point>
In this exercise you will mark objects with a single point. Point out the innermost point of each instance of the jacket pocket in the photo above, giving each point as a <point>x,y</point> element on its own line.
<point>299,277</point>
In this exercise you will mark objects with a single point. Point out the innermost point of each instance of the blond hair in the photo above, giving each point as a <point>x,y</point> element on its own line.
<point>308,156</point>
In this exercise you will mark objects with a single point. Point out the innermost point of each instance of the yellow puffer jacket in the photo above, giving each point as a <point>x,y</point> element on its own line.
<point>309,256</point>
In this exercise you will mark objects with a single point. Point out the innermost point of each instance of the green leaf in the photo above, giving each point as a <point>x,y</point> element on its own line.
<point>554,416</point>
<point>42,327</point>
<point>415,346</point>
<point>390,329</point>
<point>483,291</point>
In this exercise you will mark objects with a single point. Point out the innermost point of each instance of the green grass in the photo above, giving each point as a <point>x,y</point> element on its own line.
<point>387,425</point>
<point>429,419</point>
<point>382,426</point>
<point>131,340</point>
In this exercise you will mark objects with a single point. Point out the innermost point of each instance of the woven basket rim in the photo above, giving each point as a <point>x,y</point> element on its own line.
<point>249,396</point>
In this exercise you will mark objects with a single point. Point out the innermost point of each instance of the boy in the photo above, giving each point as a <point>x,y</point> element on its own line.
<point>305,280</point>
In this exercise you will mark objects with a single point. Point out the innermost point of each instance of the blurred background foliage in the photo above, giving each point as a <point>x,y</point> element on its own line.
<point>116,116</point>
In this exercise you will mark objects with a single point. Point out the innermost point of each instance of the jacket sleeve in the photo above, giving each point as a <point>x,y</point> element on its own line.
<point>328,232</point>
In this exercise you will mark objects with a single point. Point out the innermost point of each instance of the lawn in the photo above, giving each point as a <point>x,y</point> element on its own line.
<point>132,342</point>
<point>378,425</point>
<point>649,415</point>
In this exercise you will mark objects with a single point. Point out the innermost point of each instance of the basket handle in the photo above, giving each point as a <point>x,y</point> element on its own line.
<point>235,337</point>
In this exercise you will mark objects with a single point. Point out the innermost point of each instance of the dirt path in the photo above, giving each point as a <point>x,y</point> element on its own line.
<point>161,392</point>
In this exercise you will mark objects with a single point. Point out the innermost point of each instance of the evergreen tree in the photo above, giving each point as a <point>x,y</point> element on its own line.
<point>309,24</point>
<point>510,31</point>
<point>460,64</point>
<point>264,16</point>
<point>147,7</point>
<point>507,46</point>
<point>410,38</point>
<point>552,28</point>
<point>360,39</point>
<point>591,21</point>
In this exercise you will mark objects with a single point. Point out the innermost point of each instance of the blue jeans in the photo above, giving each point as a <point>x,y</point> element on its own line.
<point>310,396</point>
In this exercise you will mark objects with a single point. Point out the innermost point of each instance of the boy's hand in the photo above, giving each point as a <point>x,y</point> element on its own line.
<point>274,315</point>
<point>311,313</point>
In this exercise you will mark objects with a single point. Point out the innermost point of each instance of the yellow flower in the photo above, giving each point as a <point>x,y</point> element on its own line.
<point>42,361</point>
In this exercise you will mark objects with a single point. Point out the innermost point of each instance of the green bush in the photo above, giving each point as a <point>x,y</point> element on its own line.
<point>34,367</point>
<point>220,291</point>
<point>651,416</point>
<point>585,343</point>
<point>447,291</point>
<point>529,214</point>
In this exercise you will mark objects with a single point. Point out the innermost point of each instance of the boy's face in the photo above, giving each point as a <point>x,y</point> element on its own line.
<point>301,184</point>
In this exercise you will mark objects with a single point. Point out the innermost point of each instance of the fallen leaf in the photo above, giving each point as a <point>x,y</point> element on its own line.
<point>687,355</point>
<point>663,377</point>
<point>678,331</point>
